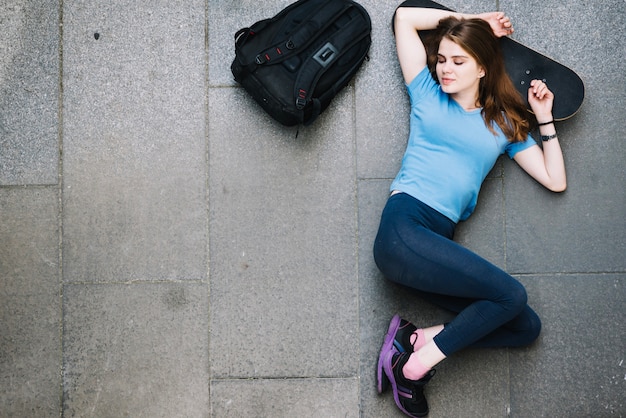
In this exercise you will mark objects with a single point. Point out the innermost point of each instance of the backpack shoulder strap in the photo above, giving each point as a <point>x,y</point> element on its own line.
<point>304,33</point>
<point>317,64</point>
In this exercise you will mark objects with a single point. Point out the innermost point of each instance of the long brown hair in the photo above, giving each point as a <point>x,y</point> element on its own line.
<point>501,102</point>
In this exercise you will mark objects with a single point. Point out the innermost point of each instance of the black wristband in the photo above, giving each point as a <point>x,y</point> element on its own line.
<point>545,123</point>
<point>545,138</point>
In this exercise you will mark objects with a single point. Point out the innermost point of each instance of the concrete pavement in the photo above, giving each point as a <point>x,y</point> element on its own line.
<point>167,250</point>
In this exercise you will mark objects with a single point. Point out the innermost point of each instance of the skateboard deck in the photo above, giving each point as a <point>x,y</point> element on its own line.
<point>524,64</point>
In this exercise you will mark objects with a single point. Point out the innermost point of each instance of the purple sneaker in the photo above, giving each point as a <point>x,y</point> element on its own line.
<point>402,338</point>
<point>408,394</point>
<point>388,346</point>
<point>399,336</point>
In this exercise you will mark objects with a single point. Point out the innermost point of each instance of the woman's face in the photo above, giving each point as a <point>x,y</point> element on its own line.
<point>457,71</point>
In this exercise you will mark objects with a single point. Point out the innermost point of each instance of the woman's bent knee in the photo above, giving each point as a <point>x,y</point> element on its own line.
<point>517,297</point>
<point>534,326</point>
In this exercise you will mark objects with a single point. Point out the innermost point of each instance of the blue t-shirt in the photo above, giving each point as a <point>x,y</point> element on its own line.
<point>450,151</point>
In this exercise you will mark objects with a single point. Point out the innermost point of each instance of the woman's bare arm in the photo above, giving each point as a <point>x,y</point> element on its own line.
<point>409,20</point>
<point>547,165</point>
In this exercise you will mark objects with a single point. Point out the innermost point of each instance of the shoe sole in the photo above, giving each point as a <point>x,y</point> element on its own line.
<point>387,366</point>
<point>388,345</point>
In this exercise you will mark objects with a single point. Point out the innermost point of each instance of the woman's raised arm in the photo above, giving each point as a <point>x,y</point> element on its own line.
<point>409,20</point>
<point>411,50</point>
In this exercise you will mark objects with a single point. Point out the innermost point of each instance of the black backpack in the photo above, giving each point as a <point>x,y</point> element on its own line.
<point>295,63</point>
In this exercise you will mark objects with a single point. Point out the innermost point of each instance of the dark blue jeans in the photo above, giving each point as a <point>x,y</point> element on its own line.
<point>414,248</point>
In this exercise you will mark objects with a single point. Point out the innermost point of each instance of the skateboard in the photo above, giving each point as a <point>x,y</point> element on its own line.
<point>524,64</point>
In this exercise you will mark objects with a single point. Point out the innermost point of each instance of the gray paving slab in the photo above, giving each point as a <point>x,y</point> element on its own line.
<point>283,242</point>
<point>381,101</point>
<point>577,367</point>
<point>286,398</point>
<point>218,264</point>
<point>582,228</point>
<point>30,312</point>
<point>29,92</point>
<point>135,350</point>
<point>134,192</point>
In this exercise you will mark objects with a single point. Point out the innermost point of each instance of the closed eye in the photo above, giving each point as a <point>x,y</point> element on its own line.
<point>456,60</point>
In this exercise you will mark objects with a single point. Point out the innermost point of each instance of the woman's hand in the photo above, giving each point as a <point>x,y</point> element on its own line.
<point>544,164</point>
<point>540,99</point>
<point>499,22</point>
